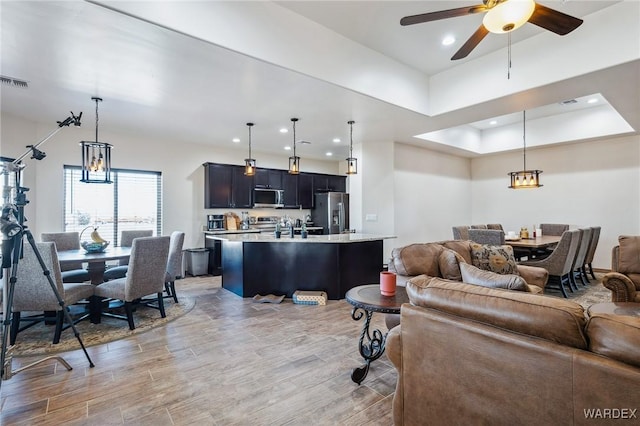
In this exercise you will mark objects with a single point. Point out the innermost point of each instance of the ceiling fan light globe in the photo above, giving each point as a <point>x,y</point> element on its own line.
<point>508,16</point>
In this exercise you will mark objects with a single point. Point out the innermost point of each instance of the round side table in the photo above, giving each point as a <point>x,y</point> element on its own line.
<point>366,299</point>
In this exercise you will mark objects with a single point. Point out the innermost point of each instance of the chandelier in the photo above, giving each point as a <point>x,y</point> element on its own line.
<point>525,178</point>
<point>96,157</point>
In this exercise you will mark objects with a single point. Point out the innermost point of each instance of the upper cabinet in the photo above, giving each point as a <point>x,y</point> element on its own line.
<point>226,186</point>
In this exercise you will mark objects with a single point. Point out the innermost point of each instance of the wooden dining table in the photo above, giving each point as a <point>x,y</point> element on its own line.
<point>97,262</point>
<point>533,244</point>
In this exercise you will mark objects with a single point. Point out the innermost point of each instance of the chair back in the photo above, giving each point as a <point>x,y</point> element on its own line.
<point>583,247</point>
<point>127,237</point>
<point>495,226</point>
<point>593,244</point>
<point>64,241</point>
<point>147,267</point>
<point>573,238</point>
<point>32,291</point>
<point>460,232</point>
<point>492,237</point>
<point>478,226</point>
<point>174,262</point>
<point>553,228</point>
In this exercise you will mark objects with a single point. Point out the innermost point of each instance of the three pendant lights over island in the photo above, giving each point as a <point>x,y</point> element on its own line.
<point>294,160</point>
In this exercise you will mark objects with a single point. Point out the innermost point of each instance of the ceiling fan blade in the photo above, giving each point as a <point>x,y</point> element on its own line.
<point>470,44</point>
<point>442,14</point>
<point>554,21</point>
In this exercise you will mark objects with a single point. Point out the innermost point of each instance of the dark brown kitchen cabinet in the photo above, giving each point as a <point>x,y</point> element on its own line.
<point>290,186</point>
<point>268,178</point>
<point>226,186</point>
<point>305,190</point>
<point>325,183</point>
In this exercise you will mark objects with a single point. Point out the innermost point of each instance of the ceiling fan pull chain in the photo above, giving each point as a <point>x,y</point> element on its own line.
<point>508,55</point>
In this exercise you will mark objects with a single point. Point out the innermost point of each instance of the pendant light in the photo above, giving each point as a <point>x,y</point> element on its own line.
<point>96,157</point>
<point>525,178</point>
<point>249,163</point>
<point>352,162</point>
<point>294,161</point>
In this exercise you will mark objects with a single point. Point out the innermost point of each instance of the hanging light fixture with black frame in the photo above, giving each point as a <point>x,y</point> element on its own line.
<point>525,178</point>
<point>294,161</point>
<point>96,157</point>
<point>352,162</point>
<point>249,163</point>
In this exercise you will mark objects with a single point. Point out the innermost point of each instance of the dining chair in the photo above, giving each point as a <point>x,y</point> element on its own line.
<point>581,254</point>
<point>146,276</point>
<point>595,237</point>
<point>33,293</point>
<point>495,226</point>
<point>553,228</point>
<point>460,232</point>
<point>126,240</point>
<point>492,237</point>
<point>174,264</point>
<point>71,272</point>
<point>559,263</point>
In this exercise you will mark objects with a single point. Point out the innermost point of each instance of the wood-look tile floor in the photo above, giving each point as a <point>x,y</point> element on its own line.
<point>227,362</point>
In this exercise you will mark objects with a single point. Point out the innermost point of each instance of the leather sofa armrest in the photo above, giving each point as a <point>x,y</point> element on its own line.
<point>393,346</point>
<point>621,286</point>
<point>534,275</point>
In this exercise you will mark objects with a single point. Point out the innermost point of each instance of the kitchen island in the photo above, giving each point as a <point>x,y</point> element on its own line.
<point>262,264</point>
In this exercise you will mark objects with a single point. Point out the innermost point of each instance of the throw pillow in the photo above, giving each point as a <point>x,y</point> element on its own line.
<point>498,259</point>
<point>629,255</point>
<point>449,263</point>
<point>472,275</point>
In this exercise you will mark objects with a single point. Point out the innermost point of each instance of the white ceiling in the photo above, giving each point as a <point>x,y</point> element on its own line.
<point>198,71</point>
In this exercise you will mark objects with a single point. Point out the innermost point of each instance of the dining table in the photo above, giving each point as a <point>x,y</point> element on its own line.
<point>530,245</point>
<point>97,262</point>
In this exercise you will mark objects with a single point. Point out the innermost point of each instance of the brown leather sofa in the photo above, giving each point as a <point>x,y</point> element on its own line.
<point>624,280</point>
<point>467,354</point>
<point>426,258</point>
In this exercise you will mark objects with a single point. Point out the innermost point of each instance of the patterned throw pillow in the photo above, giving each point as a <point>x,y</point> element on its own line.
<point>498,259</point>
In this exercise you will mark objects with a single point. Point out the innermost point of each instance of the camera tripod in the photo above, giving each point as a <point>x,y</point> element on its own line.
<point>14,232</point>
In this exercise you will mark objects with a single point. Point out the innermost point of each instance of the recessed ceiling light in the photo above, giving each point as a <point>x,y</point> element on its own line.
<point>287,148</point>
<point>236,140</point>
<point>336,140</point>
<point>284,130</point>
<point>329,154</point>
<point>493,122</point>
<point>448,40</point>
<point>592,101</point>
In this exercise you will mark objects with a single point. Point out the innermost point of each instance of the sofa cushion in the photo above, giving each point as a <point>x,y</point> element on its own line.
<point>462,247</point>
<point>416,259</point>
<point>472,275</point>
<point>615,336</point>
<point>629,257</point>
<point>498,259</point>
<point>549,318</point>
<point>449,264</point>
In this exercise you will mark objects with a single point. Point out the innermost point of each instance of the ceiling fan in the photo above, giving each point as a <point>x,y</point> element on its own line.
<point>502,16</point>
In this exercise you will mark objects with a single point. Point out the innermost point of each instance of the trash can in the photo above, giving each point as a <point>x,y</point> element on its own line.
<point>197,261</point>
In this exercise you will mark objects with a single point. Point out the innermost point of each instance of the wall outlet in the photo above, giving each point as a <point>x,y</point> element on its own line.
<point>370,217</point>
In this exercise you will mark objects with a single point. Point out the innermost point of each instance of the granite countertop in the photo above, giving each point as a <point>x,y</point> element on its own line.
<point>333,238</point>
<point>232,231</point>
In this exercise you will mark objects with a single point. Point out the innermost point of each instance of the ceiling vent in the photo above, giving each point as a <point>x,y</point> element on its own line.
<point>10,81</point>
<point>569,102</point>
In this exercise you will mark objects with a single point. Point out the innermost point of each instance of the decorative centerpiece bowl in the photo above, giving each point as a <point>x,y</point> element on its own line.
<point>94,247</point>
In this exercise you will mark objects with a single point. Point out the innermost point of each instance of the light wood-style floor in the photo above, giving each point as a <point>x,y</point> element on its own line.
<point>228,362</point>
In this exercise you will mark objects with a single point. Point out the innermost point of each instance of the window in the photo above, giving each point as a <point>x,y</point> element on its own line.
<point>133,201</point>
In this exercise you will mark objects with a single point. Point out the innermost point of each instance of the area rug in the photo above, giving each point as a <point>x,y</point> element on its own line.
<point>37,339</point>
<point>592,293</point>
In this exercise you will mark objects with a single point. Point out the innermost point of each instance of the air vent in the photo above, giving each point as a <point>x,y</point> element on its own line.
<point>569,102</point>
<point>10,81</point>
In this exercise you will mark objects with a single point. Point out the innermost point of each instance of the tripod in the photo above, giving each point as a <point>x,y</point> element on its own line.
<point>14,231</point>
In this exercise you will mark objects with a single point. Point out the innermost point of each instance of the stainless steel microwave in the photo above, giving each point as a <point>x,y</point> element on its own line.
<point>268,198</point>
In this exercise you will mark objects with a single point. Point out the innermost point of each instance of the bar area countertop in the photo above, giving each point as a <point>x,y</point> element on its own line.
<point>263,264</point>
<point>332,238</point>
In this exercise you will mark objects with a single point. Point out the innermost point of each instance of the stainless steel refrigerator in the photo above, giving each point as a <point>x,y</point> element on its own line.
<point>331,211</point>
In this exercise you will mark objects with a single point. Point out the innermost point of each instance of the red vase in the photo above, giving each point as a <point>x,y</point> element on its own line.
<point>387,283</point>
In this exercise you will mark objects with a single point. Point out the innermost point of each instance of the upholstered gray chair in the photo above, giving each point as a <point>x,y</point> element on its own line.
<point>481,226</point>
<point>126,240</point>
<point>559,263</point>
<point>495,226</point>
<point>460,232</point>
<point>553,228</point>
<point>595,237</point>
<point>174,264</point>
<point>72,272</point>
<point>146,276</point>
<point>492,237</point>
<point>33,293</point>
<point>581,254</point>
